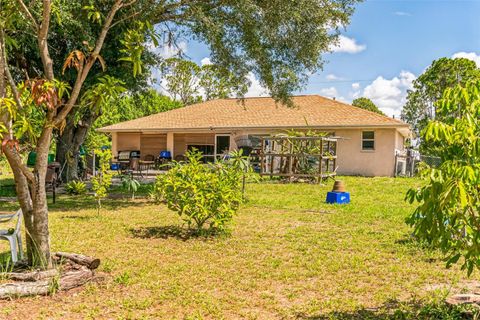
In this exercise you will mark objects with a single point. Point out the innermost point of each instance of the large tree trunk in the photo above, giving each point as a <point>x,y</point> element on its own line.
<point>40,231</point>
<point>69,143</point>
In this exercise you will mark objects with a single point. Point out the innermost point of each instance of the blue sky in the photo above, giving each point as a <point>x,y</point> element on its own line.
<point>387,45</point>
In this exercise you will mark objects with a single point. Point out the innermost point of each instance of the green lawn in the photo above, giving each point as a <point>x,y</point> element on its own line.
<point>289,255</point>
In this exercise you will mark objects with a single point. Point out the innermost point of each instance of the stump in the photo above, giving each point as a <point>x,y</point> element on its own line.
<point>77,271</point>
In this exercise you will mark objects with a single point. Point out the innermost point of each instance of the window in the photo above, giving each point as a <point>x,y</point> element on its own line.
<point>222,145</point>
<point>207,151</point>
<point>368,140</point>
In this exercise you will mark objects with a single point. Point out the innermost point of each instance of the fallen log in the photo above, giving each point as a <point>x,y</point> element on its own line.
<point>73,279</point>
<point>21,289</point>
<point>31,276</point>
<point>67,281</point>
<point>89,262</point>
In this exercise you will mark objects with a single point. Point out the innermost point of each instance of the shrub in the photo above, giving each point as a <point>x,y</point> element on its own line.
<point>130,184</point>
<point>76,188</point>
<point>202,194</point>
<point>103,180</point>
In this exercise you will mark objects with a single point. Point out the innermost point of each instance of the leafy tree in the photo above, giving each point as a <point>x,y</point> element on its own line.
<point>366,104</point>
<point>181,78</point>
<point>190,83</point>
<point>52,99</point>
<point>443,73</point>
<point>279,41</point>
<point>449,204</point>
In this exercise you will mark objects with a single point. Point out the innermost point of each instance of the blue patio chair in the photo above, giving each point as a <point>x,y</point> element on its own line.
<point>15,237</point>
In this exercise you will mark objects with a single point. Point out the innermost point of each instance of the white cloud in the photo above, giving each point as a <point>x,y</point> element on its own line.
<point>469,55</point>
<point>355,86</point>
<point>390,94</point>
<point>332,77</point>
<point>255,89</point>
<point>402,14</point>
<point>332,93</point>
<point>205,61</point>
<point>348,45</point>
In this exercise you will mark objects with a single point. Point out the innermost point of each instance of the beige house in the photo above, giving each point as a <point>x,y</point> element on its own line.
<point>368,145</point>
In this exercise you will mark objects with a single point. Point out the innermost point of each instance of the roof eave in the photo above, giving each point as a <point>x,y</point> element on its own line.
<point>212,128</point>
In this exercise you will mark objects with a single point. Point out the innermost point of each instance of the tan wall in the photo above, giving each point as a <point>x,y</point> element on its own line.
<point>152,144</point>
<point>352,160</point>
<point>128,141</point>
<point>181,140</point>
<point>399,142</point>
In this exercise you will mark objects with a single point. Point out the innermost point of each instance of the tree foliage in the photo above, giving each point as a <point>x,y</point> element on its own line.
<point>202,194</point>
<point>449,204</point>
<point>190,83</point>
<point>102,181</point>
<point>444,73</point>
<point>366,104</point>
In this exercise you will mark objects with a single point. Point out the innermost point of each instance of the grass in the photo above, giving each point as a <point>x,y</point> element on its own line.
<point>289,255</point>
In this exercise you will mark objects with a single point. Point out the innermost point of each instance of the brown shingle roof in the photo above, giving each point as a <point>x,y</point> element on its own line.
<point>314,110</point>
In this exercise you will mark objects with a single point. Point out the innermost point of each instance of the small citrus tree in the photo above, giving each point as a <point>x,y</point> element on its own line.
<point>448,215</point>
<point>202,194</point>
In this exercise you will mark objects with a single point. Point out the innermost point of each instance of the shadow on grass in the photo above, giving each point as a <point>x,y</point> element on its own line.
<point>394,310</point>
<point>74,203</point>
<point>173,231</point>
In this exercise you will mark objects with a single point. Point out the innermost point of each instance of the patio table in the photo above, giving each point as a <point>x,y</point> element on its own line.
<point>145,165</point>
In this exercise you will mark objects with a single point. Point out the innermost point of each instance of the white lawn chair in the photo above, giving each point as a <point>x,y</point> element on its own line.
<point>15,238</point>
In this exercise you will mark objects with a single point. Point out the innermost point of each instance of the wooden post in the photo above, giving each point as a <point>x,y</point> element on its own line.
<point>262,157</point>
<point>320,160</point>
<point>271,158</point>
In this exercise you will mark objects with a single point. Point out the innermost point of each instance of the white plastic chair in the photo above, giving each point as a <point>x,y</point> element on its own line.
<point>15,238</point>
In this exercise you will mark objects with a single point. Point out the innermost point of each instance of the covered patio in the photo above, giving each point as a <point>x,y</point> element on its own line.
<point>152,144</point>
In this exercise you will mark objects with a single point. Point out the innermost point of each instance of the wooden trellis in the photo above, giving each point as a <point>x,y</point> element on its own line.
<point>298,157</point>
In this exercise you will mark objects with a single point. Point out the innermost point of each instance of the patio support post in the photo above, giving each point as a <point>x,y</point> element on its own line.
<point>170,143</point>
<point>114,145</point>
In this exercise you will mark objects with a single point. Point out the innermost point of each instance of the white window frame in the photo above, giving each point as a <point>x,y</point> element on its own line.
<point>362,140</point>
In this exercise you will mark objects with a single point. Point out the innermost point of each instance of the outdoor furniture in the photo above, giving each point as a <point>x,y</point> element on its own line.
<point>124,159</point>
<point>15,237</point>
<point>180,157</point>
<point>149,157</point>
<point>145,165</point>
<point>51,178</point>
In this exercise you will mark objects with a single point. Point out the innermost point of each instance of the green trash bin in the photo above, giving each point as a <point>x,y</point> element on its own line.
<point>32,158</point>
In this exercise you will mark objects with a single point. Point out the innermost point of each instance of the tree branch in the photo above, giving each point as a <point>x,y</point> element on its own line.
<point>16,160</point>
<point>11,82</point>
<point>124,19</point>
<point>28,14</point>
<point>83,72</point>
<point>42,40</point>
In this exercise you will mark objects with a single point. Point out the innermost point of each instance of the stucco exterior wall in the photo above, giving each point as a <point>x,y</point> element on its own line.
<point>352,160</point>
